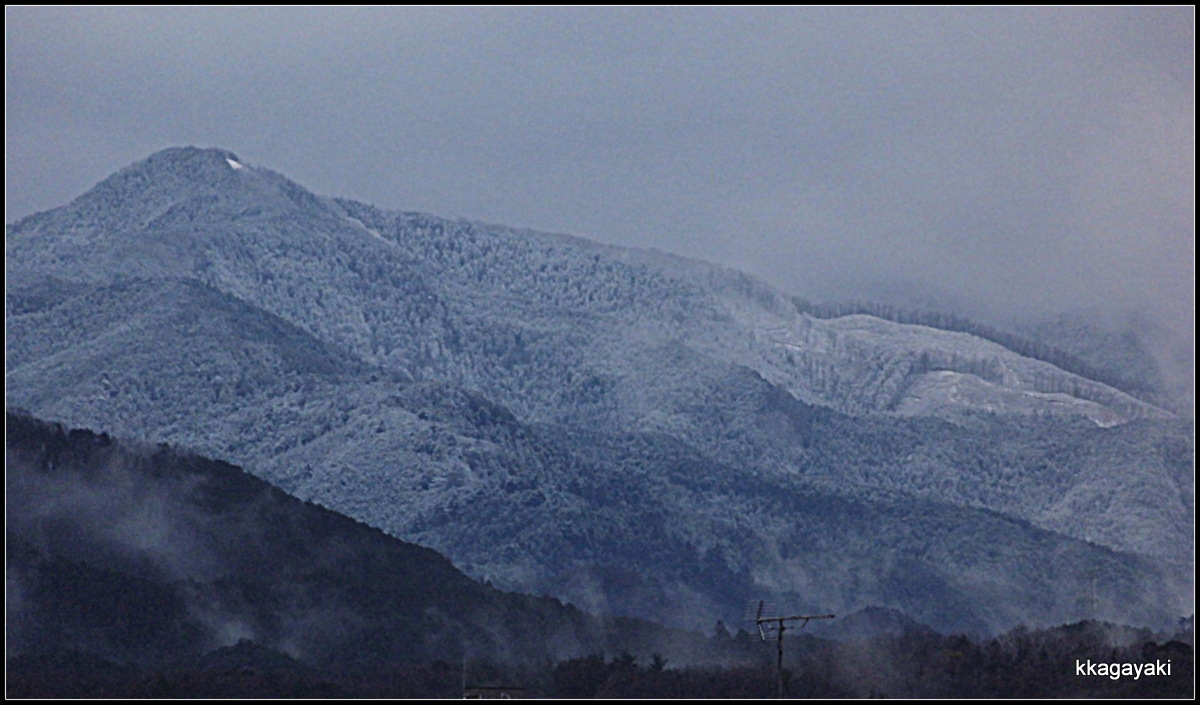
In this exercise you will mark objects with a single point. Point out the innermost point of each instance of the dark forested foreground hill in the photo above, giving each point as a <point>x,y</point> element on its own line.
<point>635,432</point>
<point>150,557</point>
<point>141,571</point>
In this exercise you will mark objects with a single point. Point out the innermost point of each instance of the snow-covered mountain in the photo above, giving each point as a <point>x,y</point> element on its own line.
<point>625,428</point>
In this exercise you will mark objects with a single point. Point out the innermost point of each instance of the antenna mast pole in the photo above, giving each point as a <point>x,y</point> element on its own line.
<point>779,664</point>
<point>779,624</point>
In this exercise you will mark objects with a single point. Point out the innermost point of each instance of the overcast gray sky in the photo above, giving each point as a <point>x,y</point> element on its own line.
<point>1013,159</point>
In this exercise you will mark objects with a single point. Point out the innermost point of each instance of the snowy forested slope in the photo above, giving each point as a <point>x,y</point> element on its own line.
<point>620,427</point>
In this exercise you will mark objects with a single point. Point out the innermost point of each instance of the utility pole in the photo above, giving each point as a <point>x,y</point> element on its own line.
<point>768,623</point>
<point>1089,603</point>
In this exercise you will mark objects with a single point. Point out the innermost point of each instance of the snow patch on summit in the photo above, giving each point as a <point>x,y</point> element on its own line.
<point>235,164</point>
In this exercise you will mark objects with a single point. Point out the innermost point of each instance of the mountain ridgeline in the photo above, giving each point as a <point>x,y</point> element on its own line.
<point>635,432</point>
<point>1142,381</point>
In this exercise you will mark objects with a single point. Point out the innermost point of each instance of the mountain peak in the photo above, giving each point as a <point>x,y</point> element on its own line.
<point>196,157</point>
<point>165,177</point>
<point>174,168</point>
<point>178,182</point>
<point>149,216</point>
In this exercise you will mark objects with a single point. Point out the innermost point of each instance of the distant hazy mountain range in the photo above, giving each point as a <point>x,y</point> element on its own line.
<point>636,432</point>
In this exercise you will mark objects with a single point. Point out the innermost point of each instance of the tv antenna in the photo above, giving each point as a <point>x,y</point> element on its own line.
<point>768,623</point>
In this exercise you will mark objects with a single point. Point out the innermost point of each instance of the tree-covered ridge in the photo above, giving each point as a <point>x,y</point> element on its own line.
<point>517,315</point>
<point>1143,385</point>
<point>913,663</point>
<point>613,425</point>
<point>719,506</point>
<point>150,556</point>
